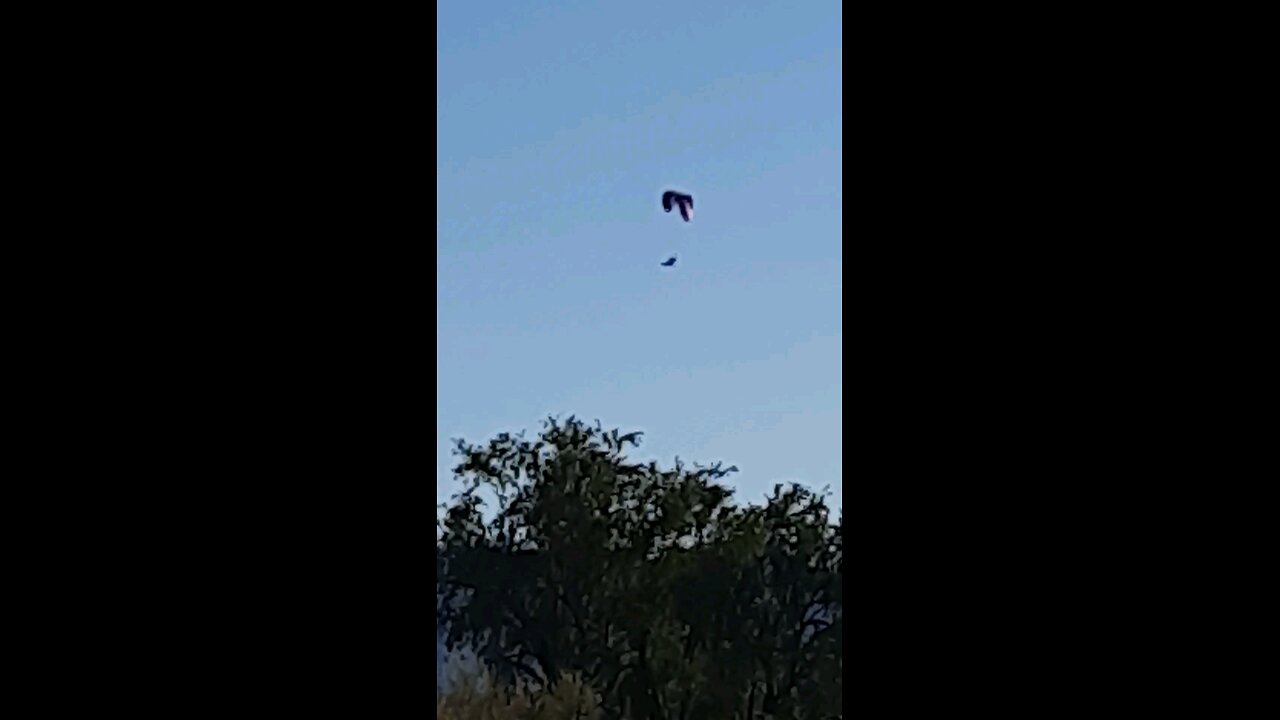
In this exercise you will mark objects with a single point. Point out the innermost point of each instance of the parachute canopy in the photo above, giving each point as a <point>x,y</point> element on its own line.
<point>684,202</point>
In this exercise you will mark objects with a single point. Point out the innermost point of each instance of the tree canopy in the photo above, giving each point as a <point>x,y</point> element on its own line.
<point>667,598</point>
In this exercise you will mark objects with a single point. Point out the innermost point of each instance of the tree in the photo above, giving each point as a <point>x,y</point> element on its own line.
<point>670,600</point>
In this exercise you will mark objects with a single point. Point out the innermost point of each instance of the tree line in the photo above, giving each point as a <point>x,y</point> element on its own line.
<point>648,585</point>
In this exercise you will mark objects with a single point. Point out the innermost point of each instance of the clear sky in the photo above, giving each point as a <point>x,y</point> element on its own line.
<point>558,126</point>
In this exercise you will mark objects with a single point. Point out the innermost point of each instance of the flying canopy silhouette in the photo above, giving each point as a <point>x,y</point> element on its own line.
<point>683,201</point>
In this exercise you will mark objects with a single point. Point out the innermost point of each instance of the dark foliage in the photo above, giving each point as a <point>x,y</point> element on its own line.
<point>671,601</point>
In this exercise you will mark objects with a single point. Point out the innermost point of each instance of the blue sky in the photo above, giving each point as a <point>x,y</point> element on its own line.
<point>558,126</point>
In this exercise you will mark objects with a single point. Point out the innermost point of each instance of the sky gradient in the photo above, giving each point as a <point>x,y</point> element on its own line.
<point>558,126</point>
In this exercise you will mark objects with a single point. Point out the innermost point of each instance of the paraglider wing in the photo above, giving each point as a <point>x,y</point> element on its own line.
<point>684,201</point>
<point>686,207</point>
